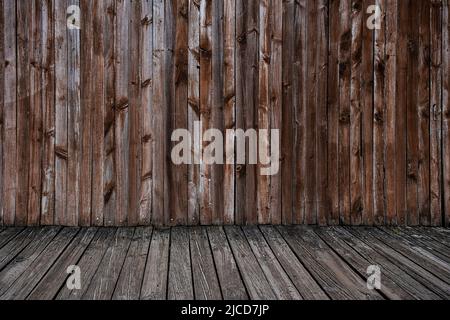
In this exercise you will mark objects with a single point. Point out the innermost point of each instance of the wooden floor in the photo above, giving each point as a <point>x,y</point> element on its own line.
<point>224,263</point>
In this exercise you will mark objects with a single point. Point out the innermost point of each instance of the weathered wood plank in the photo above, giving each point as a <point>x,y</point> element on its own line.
<point>229,108</point>
<point>391,21</point>
<point>8,234</point>
<point>9,78</point>
<point>446,111</point>
<point>24,284</point>
<point>344,58</point>
<point>26,257</point>
<point>287,119</point>
<point>375,165</point>
<point>333,113</point>
<point>326,266</point>
<point>154,285</point>
<point>98,112</point>
<point>103,282</point>
<point>109,167</point>
<point>2,104</point>
<point>180,286</point>
<point>301,278</point>
<point>369,121</point>
<point>160,208</point>
<point>128,286</point>
<point>390,289</point>
<point>12,248</point>
<point>146,82</point>
<point>122,52</point>
<point>263,181</point>
<point>177,67</point>
<point>389,268</point>
<point>420,274</point>
<point>436,60</point>
<point>74,123</point>
<point>205,47</point>
<point>257,285</point>
<point>25,97</point>
<point>48,113</point>
<point>50,284</point>
<point>281,284</point>
<point>231,284</point>
<point>205,281</point>
<point>194,110</point>
<point>276,99</point>
<point>89,263</point>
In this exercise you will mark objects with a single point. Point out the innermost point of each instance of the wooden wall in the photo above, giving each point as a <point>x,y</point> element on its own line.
<point>86,114</point>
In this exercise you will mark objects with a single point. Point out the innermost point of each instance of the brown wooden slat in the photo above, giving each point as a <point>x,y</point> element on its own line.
<point>436,59</point>
<point>446,111</point>
<point>9,113</point>
<point>146,134</point>
<point>74,125</point>
<point>48,113</point>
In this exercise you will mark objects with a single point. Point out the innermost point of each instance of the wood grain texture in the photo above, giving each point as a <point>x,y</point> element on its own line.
<point>87,113</point>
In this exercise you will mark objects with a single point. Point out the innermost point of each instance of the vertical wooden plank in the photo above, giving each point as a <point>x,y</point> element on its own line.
<point>24,100</point>
<point>376,216</point>
<point>178,20</point>
<point>241,52</point>
<point>61,75</point>
<point>344,109</point>
<point>87,107</point>
<point>229,96</point>
<point>34,183</point>
<point>146,78</point>
<point>9,113</point>
<point>74,117</point>
<point>246,105</point>
<point>263,110</point>
<point>300,86</point>
<point>321,114</point>
<point>205,105</point>
<point>446,112</point>
<point>372,123</point>
<point>276,99</point>
<point>194,109</point>
<point>400,112</point>
<point>122,139</point>
<point>287,131</point>
<point>356,205</point>
<point>159,123</point>
<point>48,112</point>
<point>134,114</point>
<point>333,112</point>
<point>98,112</point>
<point>217,110</point>
<point>436,115</point>
<point>391,21</point>
<point>423,113</point>
<point>412,114</point>
<point>2,105</point>
<point>109,181</point>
